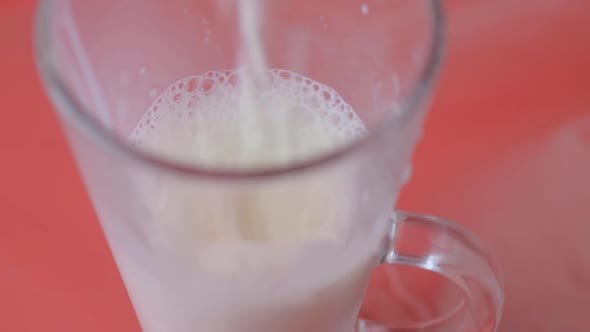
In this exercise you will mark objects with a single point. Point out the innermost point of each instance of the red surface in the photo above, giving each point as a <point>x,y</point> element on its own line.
<point>514,72</point>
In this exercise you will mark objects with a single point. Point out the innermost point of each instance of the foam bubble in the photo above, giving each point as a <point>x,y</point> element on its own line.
<point>142,71</point>
<point>365,9</point>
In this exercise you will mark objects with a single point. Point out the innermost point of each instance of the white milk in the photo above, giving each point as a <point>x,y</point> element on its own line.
<point>278,255</point>
<point>274,256</point>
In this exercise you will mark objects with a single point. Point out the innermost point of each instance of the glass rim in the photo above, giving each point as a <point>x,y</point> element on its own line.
<point>70,108</point>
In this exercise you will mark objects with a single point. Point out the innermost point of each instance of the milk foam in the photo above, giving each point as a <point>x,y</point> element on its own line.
<point>205,120</point>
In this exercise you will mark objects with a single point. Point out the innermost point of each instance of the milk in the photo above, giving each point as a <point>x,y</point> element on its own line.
<point>267,256</point>
<point>273,255</point>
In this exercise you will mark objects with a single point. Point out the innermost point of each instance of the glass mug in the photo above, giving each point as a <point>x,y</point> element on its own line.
<point>105,62</point>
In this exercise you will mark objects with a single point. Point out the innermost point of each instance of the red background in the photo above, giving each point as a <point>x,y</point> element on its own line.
<point>516,71</point>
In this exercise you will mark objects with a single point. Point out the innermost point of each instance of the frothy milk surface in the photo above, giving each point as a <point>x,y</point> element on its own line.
<point>207,120</point>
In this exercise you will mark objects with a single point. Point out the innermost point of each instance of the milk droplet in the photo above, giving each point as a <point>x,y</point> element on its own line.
<point>153,93</point>
<point>364,9</point>
<point>142,71</point>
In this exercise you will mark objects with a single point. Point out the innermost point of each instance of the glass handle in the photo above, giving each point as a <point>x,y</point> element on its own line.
<point>420,245</point>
